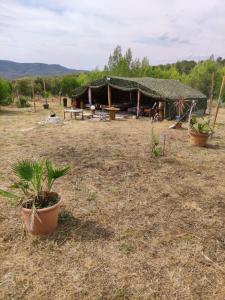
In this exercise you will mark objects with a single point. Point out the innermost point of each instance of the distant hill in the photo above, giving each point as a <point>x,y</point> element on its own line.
<point>13,70</point>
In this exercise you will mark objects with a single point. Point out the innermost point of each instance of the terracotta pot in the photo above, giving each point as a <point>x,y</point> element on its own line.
<point>45,219</point>
<point>46,106</point>
<point>198,139</point>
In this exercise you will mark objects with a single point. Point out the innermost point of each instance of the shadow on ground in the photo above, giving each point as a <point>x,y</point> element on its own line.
<point>71,228</point>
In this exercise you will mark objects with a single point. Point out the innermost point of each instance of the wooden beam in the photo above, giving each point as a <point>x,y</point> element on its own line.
<point>109,96</point>
<point>138,103</point>
<point>89,96</point>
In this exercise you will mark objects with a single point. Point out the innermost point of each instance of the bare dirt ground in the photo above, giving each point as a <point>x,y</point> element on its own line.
<point>131,227</point>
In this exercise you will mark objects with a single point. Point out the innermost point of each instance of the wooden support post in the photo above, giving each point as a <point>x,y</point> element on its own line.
<point>219,102</point>
<point>161,110</point>
<point>164,109</point>
<point>89,96</point>
<point>138,103</point>
<point>109,96</point>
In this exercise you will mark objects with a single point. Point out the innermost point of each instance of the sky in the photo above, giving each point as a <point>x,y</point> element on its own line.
<point>81,34</point>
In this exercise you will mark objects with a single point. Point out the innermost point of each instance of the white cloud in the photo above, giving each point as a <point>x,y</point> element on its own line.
<point>82,33</point>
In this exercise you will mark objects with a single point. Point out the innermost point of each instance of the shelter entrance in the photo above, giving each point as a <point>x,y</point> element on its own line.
<point>127,101</point>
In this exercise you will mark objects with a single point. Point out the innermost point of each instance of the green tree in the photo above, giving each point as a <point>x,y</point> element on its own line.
<point>200,76</point>
<point>5,91</point>
<point>69,83</point>
<point>23,86</point>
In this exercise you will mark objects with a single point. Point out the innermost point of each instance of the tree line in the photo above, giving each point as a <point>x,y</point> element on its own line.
<point>196,74</point>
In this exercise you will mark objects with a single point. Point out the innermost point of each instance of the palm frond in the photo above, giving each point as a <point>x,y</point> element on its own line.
<point>54,173</point>
<point>24,170</point>
<point>23,185</point>
<point>38,171</point>
<point>6,194</point>
<point>57,173</point>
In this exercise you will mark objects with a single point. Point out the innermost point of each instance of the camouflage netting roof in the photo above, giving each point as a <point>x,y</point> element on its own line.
<point>152,87</point>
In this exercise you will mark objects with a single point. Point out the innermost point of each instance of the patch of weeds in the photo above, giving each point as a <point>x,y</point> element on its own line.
<point>125,235</point>
<point>65,216</point>
<point>43,242</point>
<point>126,248</point>
<point>120,293</point>
<point>22,102</point>
<point>51,245</point>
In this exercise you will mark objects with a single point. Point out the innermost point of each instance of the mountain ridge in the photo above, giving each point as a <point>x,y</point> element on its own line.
<point>12,70</point>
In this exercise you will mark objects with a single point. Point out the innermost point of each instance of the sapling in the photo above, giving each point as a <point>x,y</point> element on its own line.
<point>154,144</point>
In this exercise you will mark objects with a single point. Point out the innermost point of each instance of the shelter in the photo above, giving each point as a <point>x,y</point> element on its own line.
<point>137,94</point>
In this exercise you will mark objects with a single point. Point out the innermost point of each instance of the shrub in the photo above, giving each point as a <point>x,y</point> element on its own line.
<point>22,102</point>
<point>6,101</point>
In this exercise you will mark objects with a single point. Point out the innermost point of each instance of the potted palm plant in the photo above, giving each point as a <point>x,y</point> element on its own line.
<point>46,96</point>
<point>199,132</point>
<point>39,204</point>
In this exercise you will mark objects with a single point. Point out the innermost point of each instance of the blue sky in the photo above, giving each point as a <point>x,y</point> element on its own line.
<point>82,33</point>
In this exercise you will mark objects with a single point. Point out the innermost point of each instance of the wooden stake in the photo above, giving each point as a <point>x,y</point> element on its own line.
<point>219,102</point>
<point>138,103</point>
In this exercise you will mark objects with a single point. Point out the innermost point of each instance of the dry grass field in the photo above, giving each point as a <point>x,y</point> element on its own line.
<point>131,227</point>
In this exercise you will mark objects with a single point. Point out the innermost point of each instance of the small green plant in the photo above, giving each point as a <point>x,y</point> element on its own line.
<point>154,145</point>
<point>46,96</point>
<point>34,181</point>
<point>200,127</point>
<point>22,102</point>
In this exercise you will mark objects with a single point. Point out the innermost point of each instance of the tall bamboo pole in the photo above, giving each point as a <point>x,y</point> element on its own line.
<point>219,101</point>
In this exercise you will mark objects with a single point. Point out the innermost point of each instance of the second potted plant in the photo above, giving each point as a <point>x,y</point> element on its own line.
<point>199,132</point>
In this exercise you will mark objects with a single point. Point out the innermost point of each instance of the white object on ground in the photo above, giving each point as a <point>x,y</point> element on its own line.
<point>54,120</point>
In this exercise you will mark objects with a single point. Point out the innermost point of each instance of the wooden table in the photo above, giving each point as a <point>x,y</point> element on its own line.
<point>75,112</point>
<point>112,112</point>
